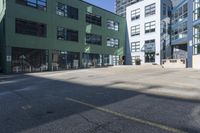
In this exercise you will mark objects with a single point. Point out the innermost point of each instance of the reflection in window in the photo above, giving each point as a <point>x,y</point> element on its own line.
<point>135,14</point>
<point>112,25</point>
<point>150,27</point>
<point>66,11</point>
<point>113,42</point>
<point>93,19</point>
<point>150,10</point>
<point>93,39</point>
<point>135,46</point>
<point>39,4</point>
<point>135,30</point>
<point>67,34</point>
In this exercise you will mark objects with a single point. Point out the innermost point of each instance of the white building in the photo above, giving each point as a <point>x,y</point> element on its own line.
<point>148,24</point>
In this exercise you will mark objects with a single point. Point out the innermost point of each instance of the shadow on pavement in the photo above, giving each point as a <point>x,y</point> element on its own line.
<point>33,101</point>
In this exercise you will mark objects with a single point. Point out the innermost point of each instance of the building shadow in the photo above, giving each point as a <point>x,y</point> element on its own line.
<point>29,101</point>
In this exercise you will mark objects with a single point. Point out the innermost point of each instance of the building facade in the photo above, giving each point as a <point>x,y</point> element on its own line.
<point>182,31</point>
<point>120,6</point>
<point>196,34</point>
<point>148,24</point>
<point>59,35</point>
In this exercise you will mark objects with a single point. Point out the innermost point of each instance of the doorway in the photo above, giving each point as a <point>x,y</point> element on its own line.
<point>150,57</point>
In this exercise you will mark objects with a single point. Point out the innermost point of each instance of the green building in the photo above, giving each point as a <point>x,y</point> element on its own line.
<point>50,35</point>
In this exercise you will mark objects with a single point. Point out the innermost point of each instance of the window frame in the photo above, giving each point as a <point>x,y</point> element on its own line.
<point>135,14</point>
<point>135,30</point>
<point>37,4</point>
<point>150,9</point>
<point>148,27</point>
<point>135,46</point>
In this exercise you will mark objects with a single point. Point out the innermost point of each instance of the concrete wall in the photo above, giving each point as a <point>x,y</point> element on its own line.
<point>52,20</point>
<point>196,61</point>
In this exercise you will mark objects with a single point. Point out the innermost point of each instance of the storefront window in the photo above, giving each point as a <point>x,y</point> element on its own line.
<point>64,60</point>
<point>29,60</point>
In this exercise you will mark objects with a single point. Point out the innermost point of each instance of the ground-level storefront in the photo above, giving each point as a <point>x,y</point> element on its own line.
<point>39,60</point>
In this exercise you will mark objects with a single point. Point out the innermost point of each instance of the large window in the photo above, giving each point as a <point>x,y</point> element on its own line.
<point>135,30</point>
<point>93,39</point>
<point>196,39</point>
<point>135,14</point>
<point>30,28</point>
<point>149,46</point>
<point>63,60</point>
<point>113,42</point>
<point>179,31</point>
<point>135,46</point>
<point>29,60</point>
<point>67,34</point>
<point>196,5</point>
<point>150,10</point>
<point>112,25</point>
<point>39,4</point>
<point>180,14</point>
<point>93,19</point>
<point>150,27</point>
<point>66,11</point>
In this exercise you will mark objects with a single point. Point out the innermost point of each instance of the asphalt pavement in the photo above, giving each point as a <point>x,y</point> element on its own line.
<point>105,100</point>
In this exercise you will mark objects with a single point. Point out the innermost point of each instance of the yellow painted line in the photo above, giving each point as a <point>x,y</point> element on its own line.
<point>134,119</point>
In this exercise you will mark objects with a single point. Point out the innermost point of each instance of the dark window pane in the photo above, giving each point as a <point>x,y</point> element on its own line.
<point>93,39</point>
<point>93,19</point>
<point>67,34</point>
<point>30,28</point>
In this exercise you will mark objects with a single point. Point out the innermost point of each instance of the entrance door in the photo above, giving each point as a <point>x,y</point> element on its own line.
<point>150,57</point>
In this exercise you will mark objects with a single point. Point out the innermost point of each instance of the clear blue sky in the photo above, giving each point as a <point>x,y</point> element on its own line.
<point>106,4</point>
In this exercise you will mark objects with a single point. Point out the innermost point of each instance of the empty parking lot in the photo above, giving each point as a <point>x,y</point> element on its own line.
<point>121,99</point>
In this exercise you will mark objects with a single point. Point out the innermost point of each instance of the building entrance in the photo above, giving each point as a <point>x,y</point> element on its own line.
<point>150,57</point>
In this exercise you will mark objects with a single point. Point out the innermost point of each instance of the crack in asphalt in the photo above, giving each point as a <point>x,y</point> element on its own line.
<point>98,125</point>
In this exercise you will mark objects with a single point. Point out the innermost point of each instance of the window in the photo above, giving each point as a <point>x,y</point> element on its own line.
<point>135,46</point>
<point>180,14</point>
<point>169,13</point>
<point>66,11</point>
<point>150,10</point>
<point>135,30</point>
<point>149,46</point>
<point>67,34</point>
<point>150,27</point>
<point>196,5</point>
<point>113,42</point>
<point>93,19</point>
<point>164,10</point>
<point>112,25</point>
<point>93,39</point>
<point>30,28</point>
<point>196,39</point>
<point>135,14</point>
<point>179,31</point>
<point>134,58</point>
<point>39,4</point>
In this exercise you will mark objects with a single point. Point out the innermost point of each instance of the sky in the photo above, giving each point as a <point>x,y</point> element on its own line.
<point>106,4</point>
